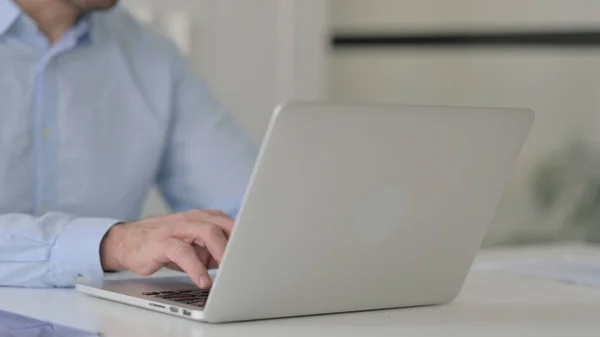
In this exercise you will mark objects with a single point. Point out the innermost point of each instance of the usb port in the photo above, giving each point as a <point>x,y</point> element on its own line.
<point>187,312</point>
<point>157,305</point>
<point>173,309</point>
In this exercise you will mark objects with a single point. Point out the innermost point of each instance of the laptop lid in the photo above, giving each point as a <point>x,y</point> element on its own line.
<point>360,207</point>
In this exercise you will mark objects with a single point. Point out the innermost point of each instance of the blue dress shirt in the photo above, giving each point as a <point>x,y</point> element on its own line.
<point>87,126</point>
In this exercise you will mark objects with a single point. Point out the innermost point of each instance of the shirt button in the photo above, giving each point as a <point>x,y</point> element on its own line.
<point>46,134</point>
<point>28,21</point>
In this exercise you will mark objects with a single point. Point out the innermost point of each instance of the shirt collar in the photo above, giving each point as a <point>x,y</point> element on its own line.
<point>9,12</point>
<point>82,29</point>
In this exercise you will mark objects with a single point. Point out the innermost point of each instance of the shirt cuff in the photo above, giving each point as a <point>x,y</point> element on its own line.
<point>76,252</point>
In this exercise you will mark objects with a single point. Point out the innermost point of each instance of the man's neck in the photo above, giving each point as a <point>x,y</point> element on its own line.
<point>53,17</point>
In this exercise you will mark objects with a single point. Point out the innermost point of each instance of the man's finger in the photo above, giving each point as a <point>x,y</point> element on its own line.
<point>174,266</point>
<point>202,254</point>
<point>225,222</point>
<point>214,239</point>
<point>212,264</point>
<point>185,257</point>
<point>202,234</point>
<point>213,216</point>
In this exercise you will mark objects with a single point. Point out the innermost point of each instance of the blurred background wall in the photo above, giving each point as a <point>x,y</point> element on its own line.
<point>257,53</point>
<point>553,194</point>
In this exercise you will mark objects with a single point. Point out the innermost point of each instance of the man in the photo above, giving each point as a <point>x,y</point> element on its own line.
<point>94,110</point>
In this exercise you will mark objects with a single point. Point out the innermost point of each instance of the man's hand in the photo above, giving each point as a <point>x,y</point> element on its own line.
<point>192,242</point>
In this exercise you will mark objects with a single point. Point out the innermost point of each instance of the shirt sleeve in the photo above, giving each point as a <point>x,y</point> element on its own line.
<point>209,157</point>
<point>52,250</point>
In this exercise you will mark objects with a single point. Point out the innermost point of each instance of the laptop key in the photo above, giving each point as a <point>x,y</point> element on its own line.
<point>181,300</point>
<point>197,303</point>
<point>188,298</point>
<point>167,292</point>
<point>176,294</point>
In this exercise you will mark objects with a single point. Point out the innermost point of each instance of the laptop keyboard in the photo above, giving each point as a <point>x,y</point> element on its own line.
<point>192,297</point>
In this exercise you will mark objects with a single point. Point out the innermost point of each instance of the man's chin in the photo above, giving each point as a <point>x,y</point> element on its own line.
<point>93,5</point>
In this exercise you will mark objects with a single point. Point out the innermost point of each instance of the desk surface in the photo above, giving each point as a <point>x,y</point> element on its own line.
<point>490,304</point>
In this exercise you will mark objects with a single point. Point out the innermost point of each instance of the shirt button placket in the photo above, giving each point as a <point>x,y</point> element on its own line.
<point>45,123</point>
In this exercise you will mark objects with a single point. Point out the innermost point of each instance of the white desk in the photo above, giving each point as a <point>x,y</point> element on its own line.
<point>491,304</point>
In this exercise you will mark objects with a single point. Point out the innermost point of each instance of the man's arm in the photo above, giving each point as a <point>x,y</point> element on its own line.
<point>206,166</point>
<point>209,158</point>
<point>51,250</point>
<point>56,248</point>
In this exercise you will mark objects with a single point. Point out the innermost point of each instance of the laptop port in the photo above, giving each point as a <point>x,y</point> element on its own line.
<point>157,305</point>
<point>187,312</point>
<point>173,309</point>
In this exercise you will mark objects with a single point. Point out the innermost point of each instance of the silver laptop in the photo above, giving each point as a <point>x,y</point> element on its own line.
<point>352,208</point>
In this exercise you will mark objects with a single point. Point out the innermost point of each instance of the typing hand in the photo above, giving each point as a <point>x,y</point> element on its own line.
<point>192,242</point>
